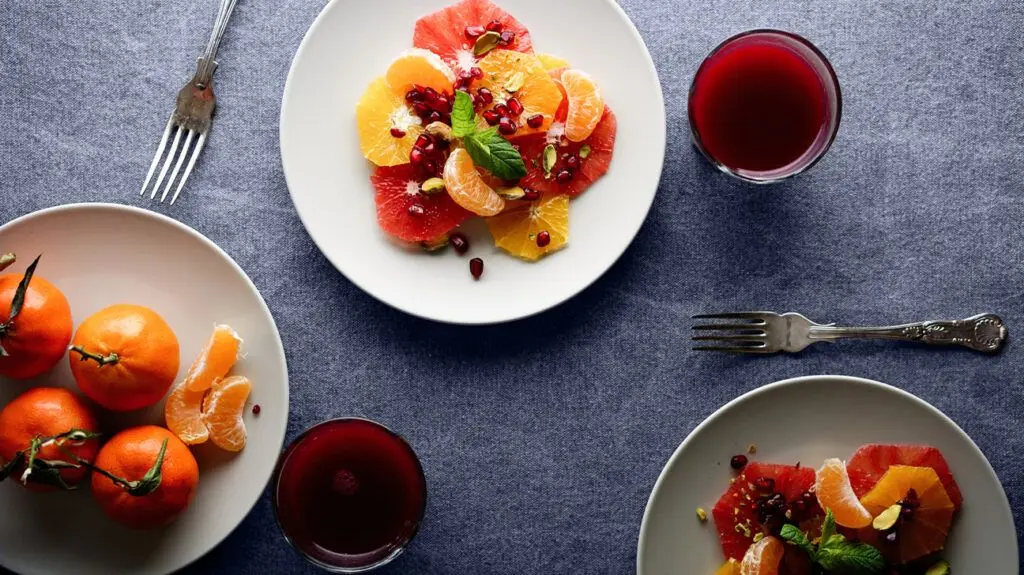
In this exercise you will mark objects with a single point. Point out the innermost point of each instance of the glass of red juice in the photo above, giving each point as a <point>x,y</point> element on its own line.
<point>764,106</point>
<point>349,495</point>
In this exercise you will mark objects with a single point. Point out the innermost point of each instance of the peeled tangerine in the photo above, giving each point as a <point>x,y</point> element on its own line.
<point>833,489</point>
<point>223,413</point>
<point>927,512</point>
<point>586,105</point>
<point>763,557</point>
<point>467,187</point>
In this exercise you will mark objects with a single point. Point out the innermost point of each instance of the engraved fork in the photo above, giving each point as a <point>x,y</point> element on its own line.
<point>765,332</point>
<point>191,115</point>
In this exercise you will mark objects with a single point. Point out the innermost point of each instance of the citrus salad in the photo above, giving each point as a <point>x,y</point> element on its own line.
<point>888,510</point>
<point>471,122</point>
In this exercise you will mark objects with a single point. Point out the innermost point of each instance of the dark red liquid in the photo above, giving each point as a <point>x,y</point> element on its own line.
<point>764,102</point>
<point>350,493</point>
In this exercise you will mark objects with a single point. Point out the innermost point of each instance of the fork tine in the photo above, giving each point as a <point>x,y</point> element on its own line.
<point>159,152</point>
<point>731,349</point>
<point>167,162</point>
<point>758,339</point>
<point>736,315</point>
<point>188,169</point>
<point>755,327</point>
<point>177,165</point>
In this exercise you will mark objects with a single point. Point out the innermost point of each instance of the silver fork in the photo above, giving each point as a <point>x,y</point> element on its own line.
<point>191,115</point>
<point>764,332</point>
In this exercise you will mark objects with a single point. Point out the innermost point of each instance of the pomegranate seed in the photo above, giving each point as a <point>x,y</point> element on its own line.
<point>429,148</point>
<point>443,104</point>
<point>397,132</point>
<point>476,72</point>
<point>491,117</point>
<point>422,140</point>
<point>515,107</point>
<point>506,126</point>
<point>256,409</point>
<point>507,37</point>
<point>459,243</point>
<point>502,110</point>
<point>738,462</point>
<point>764,483</point>
<point>476,267</point>
<point>474,32</point>
<point>413,96</point>
<point>417,156</point>
<point>485,95</point>
<point>573,162</point>
<point>434,116</point>
<point>420,108</point>
<point>543,239</point>
<point>430,166</point>
<point>416,210</point>
<point>564,177</point>
<point>535,121</point>
<point>430,94</point>
<point>466,77</point>
<point>531,195</point>
<point>494,26</point>
<point>461,84</point>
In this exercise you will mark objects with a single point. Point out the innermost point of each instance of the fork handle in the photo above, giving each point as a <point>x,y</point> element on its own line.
<point>985,332</point>
<point>207,63</point>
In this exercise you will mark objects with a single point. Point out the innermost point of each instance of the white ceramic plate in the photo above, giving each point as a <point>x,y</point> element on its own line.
<point>349,45</point>
<point>99,255</point>
<point>800,420</point>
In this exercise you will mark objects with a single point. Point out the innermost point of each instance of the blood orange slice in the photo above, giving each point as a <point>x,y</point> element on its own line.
<point>584,171</point>
<point>757,501</point>
<point>450,32</point>
<point>406,212</point>
<point>926,513</point>
<point>871,461</point>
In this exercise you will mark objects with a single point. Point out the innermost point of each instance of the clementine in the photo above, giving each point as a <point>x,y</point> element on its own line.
<point>124,357</point>
<point>35,434</point>
<point>144,477</point>
<point>35,324</point>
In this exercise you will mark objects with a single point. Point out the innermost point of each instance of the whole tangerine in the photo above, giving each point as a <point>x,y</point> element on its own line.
<point>37,337</point>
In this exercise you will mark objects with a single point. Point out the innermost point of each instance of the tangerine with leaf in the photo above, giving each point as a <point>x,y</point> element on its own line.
<point>35,323</point>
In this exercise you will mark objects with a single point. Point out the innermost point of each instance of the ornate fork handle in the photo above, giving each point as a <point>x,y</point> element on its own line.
<point>985,332</point>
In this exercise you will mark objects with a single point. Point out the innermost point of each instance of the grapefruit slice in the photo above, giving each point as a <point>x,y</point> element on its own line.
<point>467,187</point>
<point>398,193</point>
<point>183,414</point>
<point>518,230</point>
<point>223,414</point>
<point>448,32</point>
<point>586,105</point>
<point>832,487</point>
<point>379,112</point>
<point>871,461</point>
<point>600,147</point>
<point>926,513</point>
<point>757,500</point>
<point>215,360</point>
<point>763,557</point>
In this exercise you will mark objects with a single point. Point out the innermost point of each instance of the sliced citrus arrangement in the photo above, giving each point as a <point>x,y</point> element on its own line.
<point>923,518</point>
<point>453,32</point>
<point>569,167</point>
<point>833,489</point>
<point>215,360</point>
<point>871,461</point>
<point>223,412</point>
<point>412,208</point>
<point>530,230</point>
<point>522,91</point>
<point>388,128</point>
<point>763,557</point>
<point>467,188</point>
<point>586,105</point>
<point>419,68</point>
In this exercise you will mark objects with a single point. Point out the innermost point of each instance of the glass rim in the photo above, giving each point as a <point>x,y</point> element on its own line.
<point>279,467</point>
<point>695,135</point>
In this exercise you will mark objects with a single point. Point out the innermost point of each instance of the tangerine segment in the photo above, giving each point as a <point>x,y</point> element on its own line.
<point>931,516</point>
<point>216,359</point>
<point>832,486</point>
<point>378,111</point>
<point>467,187</point>
<point>516,229</point>
<point>763,557</point>
<point>509,74</point>
<point>551,62</point>
<point>223,414</point>
<point>183,414</point>
<point>586,105</point>
<point>419,67</point>
<point>730,567</point>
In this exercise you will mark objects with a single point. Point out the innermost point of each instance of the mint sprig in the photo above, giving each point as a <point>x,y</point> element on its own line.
<point>463,115</point>
<point>488,149</point>
<point>834,553</point>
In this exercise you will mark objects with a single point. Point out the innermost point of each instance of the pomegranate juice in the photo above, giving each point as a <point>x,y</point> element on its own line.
<point>764,105</point>
<point>350,494</point>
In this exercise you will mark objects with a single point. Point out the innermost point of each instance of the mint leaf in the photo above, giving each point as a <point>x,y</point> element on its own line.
<point>463,115</point>
<point>850,558</point>
<point>495,154</point>
<point>828,528</point>
<point>794,536</point>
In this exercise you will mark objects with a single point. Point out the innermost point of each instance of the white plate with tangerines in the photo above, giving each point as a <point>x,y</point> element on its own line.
<point>123,309</point>
<point>451,126</point>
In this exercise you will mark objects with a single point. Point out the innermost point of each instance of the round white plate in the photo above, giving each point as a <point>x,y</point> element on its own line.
<point>349,45</point>
<point>810,419</point>
<point>102,254</point>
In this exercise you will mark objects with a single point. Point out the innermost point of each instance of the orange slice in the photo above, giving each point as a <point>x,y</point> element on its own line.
<point>378,111</point>
<point>419,67</point>
<point>552,62</point>
<point>216,359</point>
<point>833,489</point>
<point>925,529</point>
<point>730,567</point>
<point>516,230</point>
<point>223,414</point>
<point>586,105</point>
<point>467,187</point>
<point>183,414</point>
<point>763,557</point>
<point>509,74</point>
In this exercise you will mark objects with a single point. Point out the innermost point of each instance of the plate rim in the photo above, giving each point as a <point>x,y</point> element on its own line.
<point>209,545</point>
<point>858,381</point>
<point>497,319</point>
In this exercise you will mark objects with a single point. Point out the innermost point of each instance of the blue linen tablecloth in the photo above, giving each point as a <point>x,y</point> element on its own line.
<point>542,439</point>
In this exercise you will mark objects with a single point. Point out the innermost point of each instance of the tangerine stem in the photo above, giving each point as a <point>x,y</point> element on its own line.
<point>110,359</point>
<point>149,482</point>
